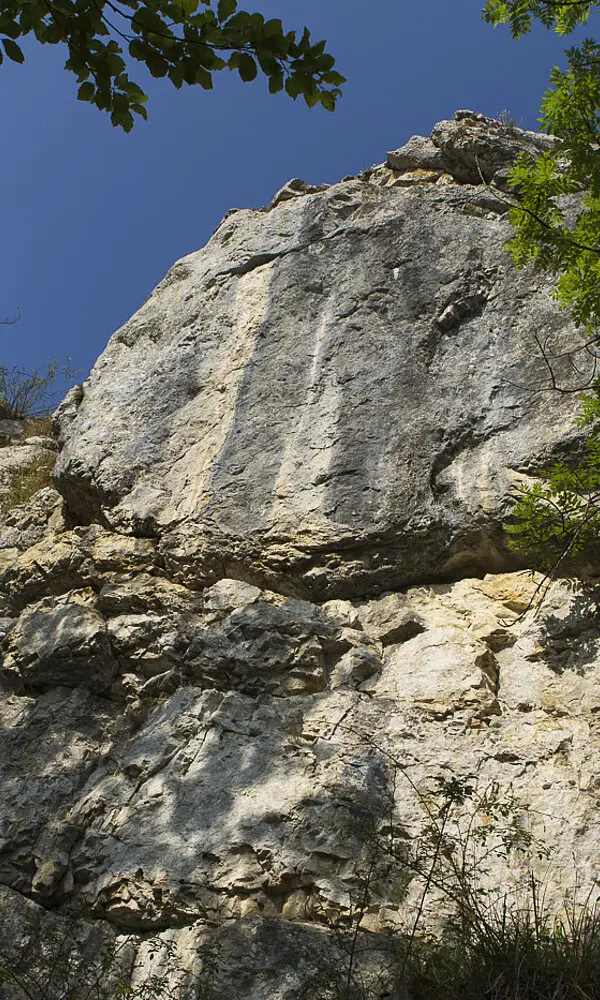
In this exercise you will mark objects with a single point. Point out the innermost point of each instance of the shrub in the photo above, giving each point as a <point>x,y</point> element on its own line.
<point>32,392</point>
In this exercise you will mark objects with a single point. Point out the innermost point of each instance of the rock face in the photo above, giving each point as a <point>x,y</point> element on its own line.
<point>227,718</point>
<point>26,459</point>
<point>337,395</point>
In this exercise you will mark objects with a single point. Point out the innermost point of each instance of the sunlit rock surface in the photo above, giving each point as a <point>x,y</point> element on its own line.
<point>335,396</point>
<point>270,617</point>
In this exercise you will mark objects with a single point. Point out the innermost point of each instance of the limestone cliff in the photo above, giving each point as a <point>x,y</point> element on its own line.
<point>335,396</point>
<point>271,603</point>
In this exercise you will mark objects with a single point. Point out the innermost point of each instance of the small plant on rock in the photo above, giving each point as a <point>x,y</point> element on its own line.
<point>28,480</point>
<point>490,940</point>
<point>32,392</point>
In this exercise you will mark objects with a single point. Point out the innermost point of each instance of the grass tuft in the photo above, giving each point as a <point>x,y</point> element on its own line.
<point>28,480</point>
<point>523,955</point>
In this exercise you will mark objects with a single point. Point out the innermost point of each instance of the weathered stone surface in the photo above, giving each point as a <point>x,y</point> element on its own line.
<point>220,696</point>
<point>471,148</point>
<point>474,147</point>
<point>248,799</point>
<point>295,188</point>
<point>239,747</point>
<point>62,642</point>
<point>418,153</point>
<point>227,595</point>
<point>442,671</point>
<point>251,959</point>
<point>49,747</point>
<point>20,456</point>
<point>12,429</point>
<point>29,523</point>
<point>333,397</point>
<point>72,559</point>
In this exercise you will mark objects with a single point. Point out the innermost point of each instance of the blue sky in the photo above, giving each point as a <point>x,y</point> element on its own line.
<point>92,218</point>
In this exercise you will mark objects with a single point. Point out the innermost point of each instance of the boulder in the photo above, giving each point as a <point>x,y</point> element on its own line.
<point>62,642</point>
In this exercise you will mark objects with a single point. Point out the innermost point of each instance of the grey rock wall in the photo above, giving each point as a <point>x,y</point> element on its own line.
<point>270,612</point>
<point>210,769</point>
<point>337,395</point>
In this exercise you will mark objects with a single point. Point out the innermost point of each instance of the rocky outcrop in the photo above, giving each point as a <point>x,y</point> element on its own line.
<point>471,149</point>
<point>26,459</point>
<point>181,763</point>
<point>269,622</point>
<point>335,396</point>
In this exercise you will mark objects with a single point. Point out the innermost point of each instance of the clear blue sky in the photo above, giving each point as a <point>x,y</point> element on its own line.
<point>92,218</point>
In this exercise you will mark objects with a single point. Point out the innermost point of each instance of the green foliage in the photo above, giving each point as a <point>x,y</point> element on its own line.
<point>64,959</point>
<point>558,517</point>
<point>562,17</point>
<point>184,40</point>
<point>560,234</point>
<point>556,216</point>
<point>497,943</point>
<point>525,954</point>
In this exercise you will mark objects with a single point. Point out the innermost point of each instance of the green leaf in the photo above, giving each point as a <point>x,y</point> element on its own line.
<point>312,99</point>
<point>12,50</point>
<point>293,87</point>
<point>267,62</point>
<point>189,68</point>
<point>204,78</point>
<point>138,49</point>
<point>122,119</point>
<point>335,79</point>
<point>326,62</point>
<point>247,67</point>
<point>188,7</point>
<point>172,38</point>
<point>156,64</point>
<point>147,20</point>
<point>239,21</point>
<point>120,101</point>
<point>11,28</point>
<point>328,100</point>
<point>199,20</point>
<point>134,92</point>
<point>176,76</point>
<point>276,83</point>
<point>226,8</point>
<point>86,92</point>
<point>273,28</point>
<point>204,56</point>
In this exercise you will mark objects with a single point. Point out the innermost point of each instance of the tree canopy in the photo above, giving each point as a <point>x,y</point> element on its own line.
<point>557,229</point>
<point>184,40</point>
